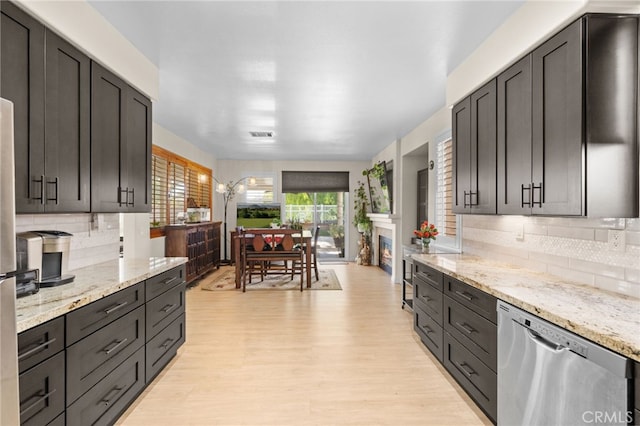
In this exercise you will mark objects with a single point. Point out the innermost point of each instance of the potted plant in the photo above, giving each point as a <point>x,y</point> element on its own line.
<point>361,203</point>
<point>337,233</point>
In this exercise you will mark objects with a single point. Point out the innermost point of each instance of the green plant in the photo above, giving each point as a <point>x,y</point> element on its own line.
<point>336,231</point>
<point>361,203</point>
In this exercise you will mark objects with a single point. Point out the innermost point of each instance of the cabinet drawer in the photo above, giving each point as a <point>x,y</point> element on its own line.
<point>58,421</point>
<point>95,356</point>
<point>42,392</point>
<point>429,331</point>
<point>430,299</point>
<point>473,331</point>
<point>103,403</point>
<point>39,343</point>
<point>163,347</point>
<point>473,375</point>
<point>157,285</point>
<point>86,320</point>
<point>429,275</point>
<point>474,299</point>
<point>165,308</point>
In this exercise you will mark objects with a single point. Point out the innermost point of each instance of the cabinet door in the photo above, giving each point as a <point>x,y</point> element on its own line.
<point>66,127</point>
<point>108,194</point>
<point>461,131</point>
<point>138,159</point>
<point>514,139</point>
<point>557,124</point>
<point>22,82</point>
<point>482,195</point>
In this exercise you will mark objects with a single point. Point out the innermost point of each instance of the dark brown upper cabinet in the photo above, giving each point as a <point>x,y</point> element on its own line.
<point>22,82</point>
<point>568,123</point>
<point>47,79</point>
<point>474,152</point>
<point>120,145</point>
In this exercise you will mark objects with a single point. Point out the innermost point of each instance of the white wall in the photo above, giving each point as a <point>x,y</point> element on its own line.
<point>83,26</point>
<point>532,23</point>
<point>236,169</point>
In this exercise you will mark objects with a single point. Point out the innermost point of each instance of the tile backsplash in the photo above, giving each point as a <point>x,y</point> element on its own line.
<point>96,237</point>
<point>604,253</point>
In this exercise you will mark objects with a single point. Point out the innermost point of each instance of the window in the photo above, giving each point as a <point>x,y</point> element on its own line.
<point>446,221</point>
<point>176,184</point>
<point>260,193</point>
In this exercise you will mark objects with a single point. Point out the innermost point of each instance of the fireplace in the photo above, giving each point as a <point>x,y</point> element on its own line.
<point>385,254</point>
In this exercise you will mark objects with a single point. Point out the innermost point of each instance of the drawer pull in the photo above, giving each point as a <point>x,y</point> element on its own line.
<point>427,299</point>
<point>40,399</point>
<point>427,329</point>
<point>466,327</point>
<point>464,295</point>
<point>464,367</point>
<point>115,307</point>
<point>107,400</point>
<point>169,281</point>
<point>114,347</point>
<point>167,343</point>
<point>168,308</point>
<point>36,349</point>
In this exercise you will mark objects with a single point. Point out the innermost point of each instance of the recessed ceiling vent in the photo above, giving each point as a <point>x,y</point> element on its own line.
<point>261,134</point>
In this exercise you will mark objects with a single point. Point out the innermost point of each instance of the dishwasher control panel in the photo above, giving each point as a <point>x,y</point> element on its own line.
<point>555,335</point>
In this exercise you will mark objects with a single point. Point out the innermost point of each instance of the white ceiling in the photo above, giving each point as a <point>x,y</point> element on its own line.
<point>333,80</point>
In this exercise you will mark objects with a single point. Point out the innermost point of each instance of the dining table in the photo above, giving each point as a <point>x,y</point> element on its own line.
<point>250,233</point>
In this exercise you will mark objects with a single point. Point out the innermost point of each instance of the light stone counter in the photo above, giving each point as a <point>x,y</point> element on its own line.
<point>607,318</point>
<point>91,283</point>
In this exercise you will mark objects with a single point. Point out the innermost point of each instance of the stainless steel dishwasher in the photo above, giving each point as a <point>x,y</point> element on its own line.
<point>549,376</point>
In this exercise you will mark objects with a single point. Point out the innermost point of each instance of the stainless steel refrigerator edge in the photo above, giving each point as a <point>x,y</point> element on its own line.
<point>9,404</point>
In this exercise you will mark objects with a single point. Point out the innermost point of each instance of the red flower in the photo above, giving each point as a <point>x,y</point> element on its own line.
<point>427,230</point>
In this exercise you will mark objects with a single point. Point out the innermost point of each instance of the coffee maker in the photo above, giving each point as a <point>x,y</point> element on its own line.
<point>46,252</point>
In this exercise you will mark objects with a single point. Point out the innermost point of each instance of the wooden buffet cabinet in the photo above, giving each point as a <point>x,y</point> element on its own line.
<point>200,242</point>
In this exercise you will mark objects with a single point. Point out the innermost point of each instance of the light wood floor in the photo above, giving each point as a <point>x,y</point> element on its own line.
<point>312,358</point>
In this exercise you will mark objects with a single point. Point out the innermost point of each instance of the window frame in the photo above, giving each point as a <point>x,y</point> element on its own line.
<point>203,187</point>
<point>444,242</point>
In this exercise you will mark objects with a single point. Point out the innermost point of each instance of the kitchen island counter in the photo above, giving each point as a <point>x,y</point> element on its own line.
<point>90,284</point>
<point>609,319</point>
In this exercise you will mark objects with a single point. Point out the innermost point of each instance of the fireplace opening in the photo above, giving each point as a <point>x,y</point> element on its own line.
<point>385,254</point>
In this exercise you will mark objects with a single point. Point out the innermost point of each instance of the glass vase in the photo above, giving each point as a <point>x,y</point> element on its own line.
<point>425,245</point>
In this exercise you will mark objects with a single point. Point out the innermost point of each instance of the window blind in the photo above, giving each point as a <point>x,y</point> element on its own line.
<point>159,173</point>
<point>295,182</point>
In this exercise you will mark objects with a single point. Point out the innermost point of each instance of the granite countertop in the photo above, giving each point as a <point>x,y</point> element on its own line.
<point>607,318</point>
<point>91,283</point>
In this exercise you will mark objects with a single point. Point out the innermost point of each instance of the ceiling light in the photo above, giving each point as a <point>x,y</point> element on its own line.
<point>261,134</point>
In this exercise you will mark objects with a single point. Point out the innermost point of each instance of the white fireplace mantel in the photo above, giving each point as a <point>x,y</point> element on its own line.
<point>383,220</point>
<point>387,221</point>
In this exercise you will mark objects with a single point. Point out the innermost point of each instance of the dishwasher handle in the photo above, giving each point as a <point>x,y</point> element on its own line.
<point>545,342</point>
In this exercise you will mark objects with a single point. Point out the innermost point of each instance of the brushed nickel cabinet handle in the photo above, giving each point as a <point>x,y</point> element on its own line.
<point>115,307</point>
<point>40,399</point>
<point>114,347</point>
<point>35,349</point>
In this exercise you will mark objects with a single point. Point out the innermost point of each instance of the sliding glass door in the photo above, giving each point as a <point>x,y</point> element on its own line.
<point>323,209</point>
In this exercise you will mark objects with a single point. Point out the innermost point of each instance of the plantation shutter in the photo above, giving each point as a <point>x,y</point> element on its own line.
<point>159,172</point>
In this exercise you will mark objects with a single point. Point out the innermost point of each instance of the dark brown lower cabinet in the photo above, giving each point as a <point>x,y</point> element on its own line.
<point>95,360</point>
<point>457,323</point>
<point>472,374</point>
<point>42,392</point>
<point>104,402</point>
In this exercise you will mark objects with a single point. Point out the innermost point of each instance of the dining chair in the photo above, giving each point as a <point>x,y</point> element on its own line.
<point>314,250</point>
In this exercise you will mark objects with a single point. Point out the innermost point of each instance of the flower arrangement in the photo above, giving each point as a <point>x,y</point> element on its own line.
<point>427,231</point>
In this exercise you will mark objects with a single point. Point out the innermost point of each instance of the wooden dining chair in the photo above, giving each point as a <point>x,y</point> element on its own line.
<point>314,249</point>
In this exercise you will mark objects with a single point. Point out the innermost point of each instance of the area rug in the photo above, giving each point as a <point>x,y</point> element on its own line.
<point>225,280</point>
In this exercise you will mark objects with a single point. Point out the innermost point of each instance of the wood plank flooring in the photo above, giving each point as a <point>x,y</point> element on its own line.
<point>319,357</point>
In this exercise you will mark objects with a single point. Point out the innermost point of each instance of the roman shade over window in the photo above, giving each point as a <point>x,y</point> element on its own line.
<point>296,182</point>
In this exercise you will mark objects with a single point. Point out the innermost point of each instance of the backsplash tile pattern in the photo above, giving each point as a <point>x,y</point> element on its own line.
<point>604,253</point>
<point>96,237</point>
